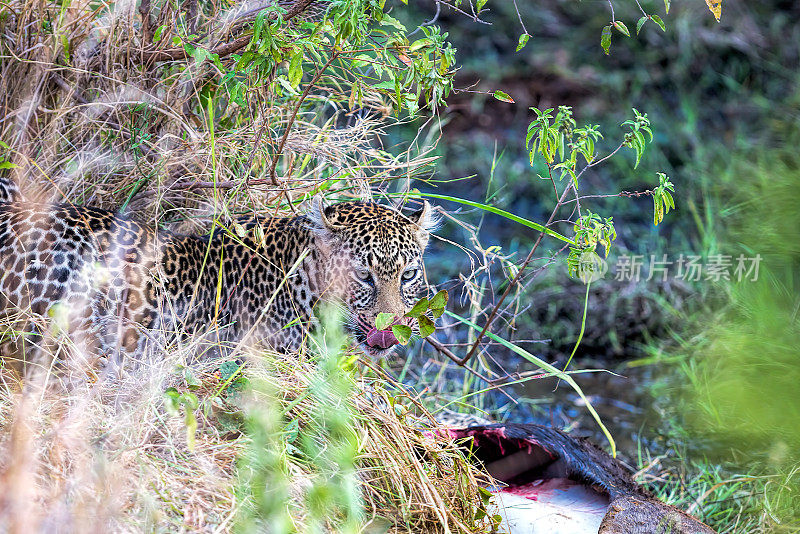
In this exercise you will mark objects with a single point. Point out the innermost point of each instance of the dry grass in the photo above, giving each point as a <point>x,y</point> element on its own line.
<point>106,456</point>
<point>87,118</point>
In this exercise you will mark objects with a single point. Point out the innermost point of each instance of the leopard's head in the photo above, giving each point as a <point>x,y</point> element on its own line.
<point>372,256</point>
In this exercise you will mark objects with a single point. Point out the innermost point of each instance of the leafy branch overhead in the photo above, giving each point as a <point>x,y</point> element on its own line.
<point>715,6</point>
<point>569,150</point>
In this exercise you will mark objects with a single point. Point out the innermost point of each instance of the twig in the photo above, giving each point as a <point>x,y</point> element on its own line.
<point>436,344</point>
<point>429,22</point>
<point>493,314</point>
<point>519,16</point>
<point>474,16</point>
<point>626,194</point>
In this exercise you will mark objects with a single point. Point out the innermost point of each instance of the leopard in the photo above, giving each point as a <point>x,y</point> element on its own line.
<point>115,287</point>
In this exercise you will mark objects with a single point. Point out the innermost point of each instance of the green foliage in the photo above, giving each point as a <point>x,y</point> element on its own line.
<point>662,199</point>
<point>326,443</point>
<point>552,139</point>
<point>434,306</point>
<point>740,363</point>
<point>635,139</point>
<point>174,401</point>
<point>263,471</point>
<point>330,441</point>
<point>563,145</point>
<point>364,50</point>
<point>605,39</point>
<point>523,40</point>
<point>590,231</point>
<point>503,96</point>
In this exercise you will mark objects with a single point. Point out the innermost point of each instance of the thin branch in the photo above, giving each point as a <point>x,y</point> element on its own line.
<point>513,282</point>
<point>519,16</point>
<point>436,344</point>
<point>429,22</point>
<point>599,161</point>
<point>473,16</point>
<point>626,194</point>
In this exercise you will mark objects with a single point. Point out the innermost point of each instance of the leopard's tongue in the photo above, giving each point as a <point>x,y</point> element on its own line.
<point>382,339</point>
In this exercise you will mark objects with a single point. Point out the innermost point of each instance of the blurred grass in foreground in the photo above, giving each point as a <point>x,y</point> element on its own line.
<point>743,391</point>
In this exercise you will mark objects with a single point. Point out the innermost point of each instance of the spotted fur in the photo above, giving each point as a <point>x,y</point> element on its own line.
<point>113,286</point>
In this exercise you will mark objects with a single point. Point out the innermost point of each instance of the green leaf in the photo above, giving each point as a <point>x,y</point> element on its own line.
<point>291,431</point>
<point>419,308</point>
<point>383,320</point>
<point>439,300</point>
<point>480,513</point>
<point>402,332</point>
<point>191,380</point>
<point>669,199</point>
<point>523,40</point>
<point>159,31</point>
<point>660,22</point>
<point>228,369</point>
<point>498,211</point>
<point>191,429</point>
<point>666,5</point>
<point>639,138</point>
<point>426,326</point>
<point>416,45</point>
<point>389,85</point>
<point>479,5</point>
<point>605,39</point>
<point>190,400</point>
<point>503,97</point>
<point>619,25</point>
<point>640,23</point>
<point>296,69</point>
<point>388,20</point>
<point>7,165</point>
<point>172,401</point>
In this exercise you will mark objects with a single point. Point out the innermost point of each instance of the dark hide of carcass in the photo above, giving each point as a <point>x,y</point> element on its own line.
<point>552,483</point>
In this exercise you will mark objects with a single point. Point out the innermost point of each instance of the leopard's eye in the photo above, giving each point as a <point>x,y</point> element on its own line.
<point>410,274</point>
<point>362,275</point>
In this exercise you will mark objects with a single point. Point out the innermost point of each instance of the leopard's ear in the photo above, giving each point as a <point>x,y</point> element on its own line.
<point>426,222</point>
<point>323,228</point>
<point>319,215</point>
